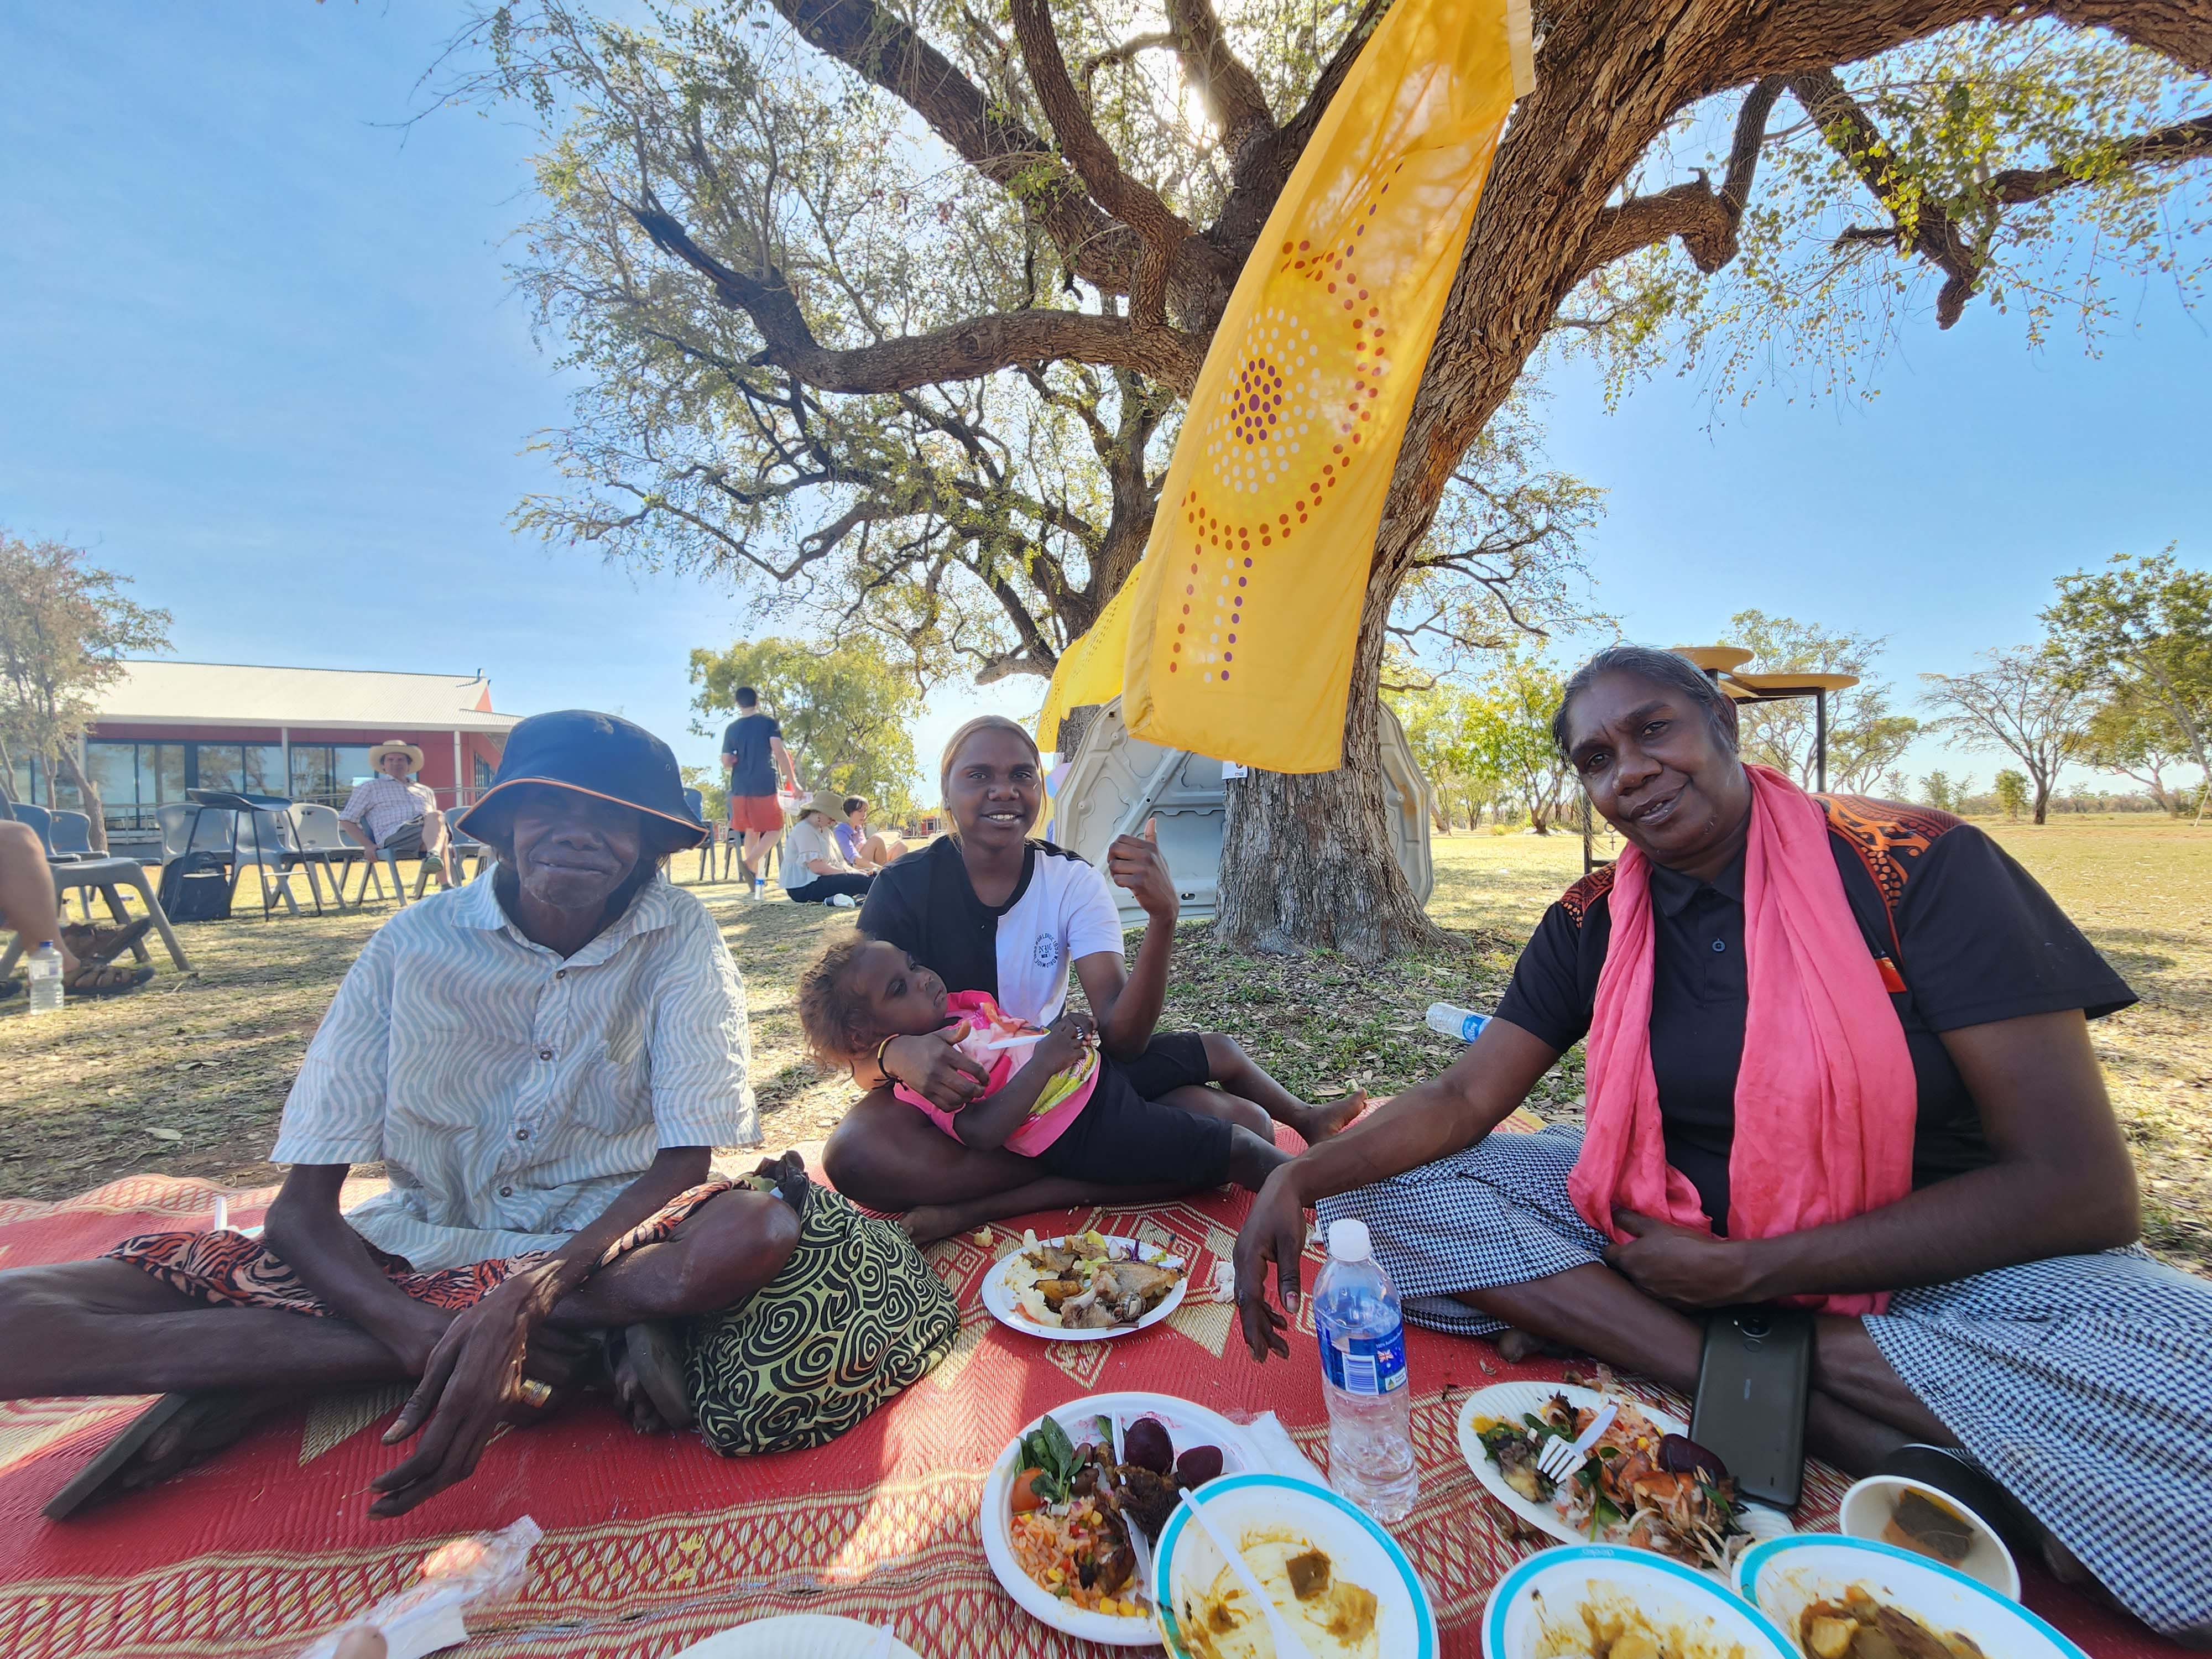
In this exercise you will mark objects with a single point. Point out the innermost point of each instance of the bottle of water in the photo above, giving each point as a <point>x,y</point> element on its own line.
<point>1465,1023</point>
<point>45,972</point>
<point>1363,1367</point>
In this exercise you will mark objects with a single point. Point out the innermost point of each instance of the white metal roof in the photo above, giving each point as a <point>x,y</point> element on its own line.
<point>240,694</point>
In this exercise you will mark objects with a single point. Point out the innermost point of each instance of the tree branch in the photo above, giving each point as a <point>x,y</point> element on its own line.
<point>1232,93</point>
<point>963,351</point>
<point>1126,53</point>
<point>2186,141</point>
<point>1924,225</point>
<point>1705,220</point>
<point>1163,230</point>
<point>982,131</point>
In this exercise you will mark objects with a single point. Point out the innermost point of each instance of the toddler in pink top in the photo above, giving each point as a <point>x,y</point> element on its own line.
<point>863,992</point>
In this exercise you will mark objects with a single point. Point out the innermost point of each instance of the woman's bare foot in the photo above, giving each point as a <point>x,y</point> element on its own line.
<point>1515,1346</point>
<point>648,1378</point>
<point>206,1425</point>
<point>1318,1122</point>
<point>928,1223</point>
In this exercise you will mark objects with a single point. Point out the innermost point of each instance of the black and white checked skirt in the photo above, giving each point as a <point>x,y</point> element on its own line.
<point>2083,1384</point>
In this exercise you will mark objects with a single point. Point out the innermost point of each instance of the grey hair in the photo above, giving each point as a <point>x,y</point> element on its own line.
<point>1677,673</point>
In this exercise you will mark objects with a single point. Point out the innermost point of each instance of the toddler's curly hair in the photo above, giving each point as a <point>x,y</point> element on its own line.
<point>830,1016</point>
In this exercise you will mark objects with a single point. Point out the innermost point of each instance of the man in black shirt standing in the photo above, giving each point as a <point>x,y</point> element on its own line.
<point>752,750</point>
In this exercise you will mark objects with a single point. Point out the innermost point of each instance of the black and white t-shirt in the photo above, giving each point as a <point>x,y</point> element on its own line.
<point>1061,909</point>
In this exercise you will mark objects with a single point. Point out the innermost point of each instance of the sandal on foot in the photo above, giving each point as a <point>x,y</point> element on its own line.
<point>105,978</point>
<point>655,1350</point>
<point>100,1479</point>
<point>93,946</point>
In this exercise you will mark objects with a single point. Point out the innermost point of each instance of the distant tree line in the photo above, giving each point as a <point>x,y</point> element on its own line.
<point>2121,681</point>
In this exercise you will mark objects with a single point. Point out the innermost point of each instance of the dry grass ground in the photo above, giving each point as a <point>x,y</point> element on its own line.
<point>188,1077</point>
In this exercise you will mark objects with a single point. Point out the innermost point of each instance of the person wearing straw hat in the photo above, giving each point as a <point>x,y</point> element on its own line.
<point>390,813</point>
<point>815,868</point>
<point>543,1062</point>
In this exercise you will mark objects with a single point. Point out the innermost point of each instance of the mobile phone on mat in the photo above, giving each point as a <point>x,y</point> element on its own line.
<point>1751,1387</point>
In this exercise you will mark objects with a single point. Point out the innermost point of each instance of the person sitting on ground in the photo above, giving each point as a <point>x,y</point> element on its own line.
<point>752,753</point>
<point>864,851</point>
<point>389,813</point>
<point>543,1062</point>
<point>28,906</point>
<point>815,869</point>
<point>986,908</point>
<point>1061,1105</point>
<point>1838,1052</point>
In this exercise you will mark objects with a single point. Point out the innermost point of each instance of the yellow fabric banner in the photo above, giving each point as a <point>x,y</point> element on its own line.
<point>1089,671</point>
<point>1247,604</point>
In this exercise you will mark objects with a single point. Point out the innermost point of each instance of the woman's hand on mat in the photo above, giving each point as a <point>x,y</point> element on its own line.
<point>933,1067</point>
<point>1674,1264</point>
<point>1274,1231</point>
<point>1134,862</point>
<point>473,1383</point>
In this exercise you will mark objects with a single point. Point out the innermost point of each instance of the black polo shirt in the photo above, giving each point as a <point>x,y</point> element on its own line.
<point>1974,937</point>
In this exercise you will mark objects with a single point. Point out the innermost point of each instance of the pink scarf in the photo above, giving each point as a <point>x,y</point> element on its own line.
<point>1826,1102</point>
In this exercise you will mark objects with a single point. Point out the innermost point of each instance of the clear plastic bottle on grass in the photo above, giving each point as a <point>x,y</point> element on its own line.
<point>1449,1020</point>
<point>45,971</point>
<point>1362,1362</point>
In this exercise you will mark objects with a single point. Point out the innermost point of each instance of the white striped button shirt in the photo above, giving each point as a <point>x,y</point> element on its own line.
<point>511,1093</point>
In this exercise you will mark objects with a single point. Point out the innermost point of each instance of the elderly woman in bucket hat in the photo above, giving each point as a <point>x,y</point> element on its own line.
<point>815,868</point>
<point>543,1061</point>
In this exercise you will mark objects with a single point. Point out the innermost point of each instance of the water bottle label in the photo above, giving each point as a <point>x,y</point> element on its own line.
<point>1363,1365</point>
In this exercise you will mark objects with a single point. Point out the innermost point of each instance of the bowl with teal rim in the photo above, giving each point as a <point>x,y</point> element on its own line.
<point>1536,1610</point>
<point>1253,1511</point>
<point>1785,1575</point>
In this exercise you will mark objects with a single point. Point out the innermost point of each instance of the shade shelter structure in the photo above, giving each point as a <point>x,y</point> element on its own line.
<point>1724,665</point>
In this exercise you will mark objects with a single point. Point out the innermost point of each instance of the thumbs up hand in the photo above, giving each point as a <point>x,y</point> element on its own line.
<point>1134,862</point>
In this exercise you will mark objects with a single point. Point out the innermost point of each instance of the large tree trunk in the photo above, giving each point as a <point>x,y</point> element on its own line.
<point>1305,857</point>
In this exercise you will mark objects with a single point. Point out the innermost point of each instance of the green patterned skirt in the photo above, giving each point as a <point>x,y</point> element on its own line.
<point>855,1315</point>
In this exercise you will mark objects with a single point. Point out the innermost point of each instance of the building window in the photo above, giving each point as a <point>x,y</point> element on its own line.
<point>254,768</point>
<point>327,772</point>
<point>483,773</point>
<point>134,780</point>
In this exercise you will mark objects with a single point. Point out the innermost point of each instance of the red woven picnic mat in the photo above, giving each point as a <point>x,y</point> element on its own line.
<point>652,1543</point>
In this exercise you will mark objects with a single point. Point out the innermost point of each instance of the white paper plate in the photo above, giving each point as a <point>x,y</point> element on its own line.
<point>1187,1425</point>
<point>999,1292</point>
<point>797,1636</point>
<point>1785,1575</point>
<point>1539,1602</point>
<point>1359,1552</point>
<point>1509,1401</point>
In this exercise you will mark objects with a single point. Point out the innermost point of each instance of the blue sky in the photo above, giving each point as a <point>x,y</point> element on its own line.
<point>259,352</point>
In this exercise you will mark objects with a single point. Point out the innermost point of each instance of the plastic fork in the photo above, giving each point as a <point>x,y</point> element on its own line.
<point>1287,1645</point>
<point>1561,1458</point>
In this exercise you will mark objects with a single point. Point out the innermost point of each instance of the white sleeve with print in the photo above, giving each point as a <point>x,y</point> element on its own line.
<point>1066,913</point>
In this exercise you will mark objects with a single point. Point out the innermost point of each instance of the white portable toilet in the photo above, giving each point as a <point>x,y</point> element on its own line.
<point>1113,782</point>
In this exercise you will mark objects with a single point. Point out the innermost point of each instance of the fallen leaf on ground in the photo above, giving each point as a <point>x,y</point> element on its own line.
<point>165,1134</point>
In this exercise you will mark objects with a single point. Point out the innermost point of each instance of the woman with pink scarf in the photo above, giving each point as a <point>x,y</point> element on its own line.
<point>1837,1056</point>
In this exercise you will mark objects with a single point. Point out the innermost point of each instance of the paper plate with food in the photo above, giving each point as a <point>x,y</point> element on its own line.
<point>1085,1286</point>
<point>1338,1580</point>
<point>1072,1508</point>
<point>1625,1604</point>
<point>1853,1598</point>
<point>1643,1482</point>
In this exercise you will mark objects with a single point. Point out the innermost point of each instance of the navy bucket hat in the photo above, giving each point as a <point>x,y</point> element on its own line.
<point>592,754</point>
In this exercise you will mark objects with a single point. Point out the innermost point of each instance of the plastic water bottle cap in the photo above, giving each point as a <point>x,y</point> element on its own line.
<point>1348,1241</point>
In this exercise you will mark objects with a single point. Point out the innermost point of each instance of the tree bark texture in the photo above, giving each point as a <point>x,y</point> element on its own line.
<point>93,807</point>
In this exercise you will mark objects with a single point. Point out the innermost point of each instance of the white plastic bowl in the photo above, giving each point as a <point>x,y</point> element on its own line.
<point>1788,1575</point>
<point>1867,1508</point>
<point>1544,1595</point>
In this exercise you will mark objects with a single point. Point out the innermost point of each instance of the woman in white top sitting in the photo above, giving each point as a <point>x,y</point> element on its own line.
<point>815,868</point>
